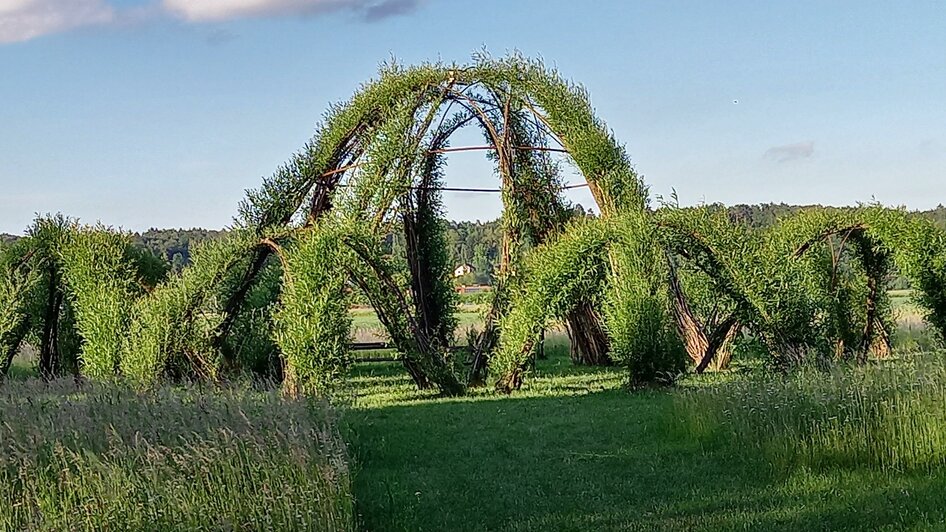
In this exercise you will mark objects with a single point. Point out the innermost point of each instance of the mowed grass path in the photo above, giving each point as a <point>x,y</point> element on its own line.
<point>575,451</point>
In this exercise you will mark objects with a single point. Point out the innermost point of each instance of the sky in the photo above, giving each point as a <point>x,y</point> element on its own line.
<point>161,113</point>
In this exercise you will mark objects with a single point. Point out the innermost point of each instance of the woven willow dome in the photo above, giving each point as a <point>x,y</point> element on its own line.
<point>638,287</point>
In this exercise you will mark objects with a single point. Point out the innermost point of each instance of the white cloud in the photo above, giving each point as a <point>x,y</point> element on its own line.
<point>218,10</point>
<point>791,152</point>
<point>22,20</point>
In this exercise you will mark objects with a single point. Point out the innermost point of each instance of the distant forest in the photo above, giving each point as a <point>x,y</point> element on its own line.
<point>475,243</point>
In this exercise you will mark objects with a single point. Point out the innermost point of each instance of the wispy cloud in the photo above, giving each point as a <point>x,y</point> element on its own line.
<point>22,20</point>
<point>790,152</point>
<point>390,8</point>
<point>930,148</point>
<point>219,10</point>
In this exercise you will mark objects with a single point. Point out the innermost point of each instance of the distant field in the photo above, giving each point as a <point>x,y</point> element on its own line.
<point>367,328</point>
<point>901,298</point>
<point>912,332</point>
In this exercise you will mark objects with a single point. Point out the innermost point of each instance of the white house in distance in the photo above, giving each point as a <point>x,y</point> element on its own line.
<point>462,270</point>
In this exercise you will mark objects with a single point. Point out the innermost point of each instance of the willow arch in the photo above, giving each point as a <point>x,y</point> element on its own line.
<point>379,155</point>
<point>850,265</point>
<point>774,282</point>
<point>816,281</point>
<point>383,149</point>
<point>68,289</point>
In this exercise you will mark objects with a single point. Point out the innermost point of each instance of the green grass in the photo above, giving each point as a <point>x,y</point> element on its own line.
<point>367,327</point>
<point>913,334</point>
<point>898,297</point>
<point>22,369</point>
<point>859,449</point>
<point>105,458</point>
<point>575,451</point>
<point>886,416</point>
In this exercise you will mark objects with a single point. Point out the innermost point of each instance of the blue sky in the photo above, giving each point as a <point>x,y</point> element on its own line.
<point>142,113</point>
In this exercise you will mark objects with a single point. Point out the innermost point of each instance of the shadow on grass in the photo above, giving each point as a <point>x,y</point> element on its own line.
<point>564,458</point>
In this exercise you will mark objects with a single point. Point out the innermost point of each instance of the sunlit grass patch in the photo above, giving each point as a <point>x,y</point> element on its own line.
<point>887,416</point>
<point>376,384</point>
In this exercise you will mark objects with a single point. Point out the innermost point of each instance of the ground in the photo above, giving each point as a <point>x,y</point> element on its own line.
<point>576,451</point>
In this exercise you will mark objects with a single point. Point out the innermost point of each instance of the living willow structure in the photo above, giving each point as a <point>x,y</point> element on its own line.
<point>639,287</point>
<point>813,285</point>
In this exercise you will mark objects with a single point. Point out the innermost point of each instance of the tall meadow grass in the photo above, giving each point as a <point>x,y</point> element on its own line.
<point>889,416</point>
<point>96,457</point>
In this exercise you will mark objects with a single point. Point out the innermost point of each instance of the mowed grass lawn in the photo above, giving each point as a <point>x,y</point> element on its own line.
<point>576,451</point>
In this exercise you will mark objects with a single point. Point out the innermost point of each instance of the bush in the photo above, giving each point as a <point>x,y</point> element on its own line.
<point>312,325</point>
<point>639,319</point>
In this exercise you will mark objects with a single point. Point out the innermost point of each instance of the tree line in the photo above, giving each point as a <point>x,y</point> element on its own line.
<point>477,243</point>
